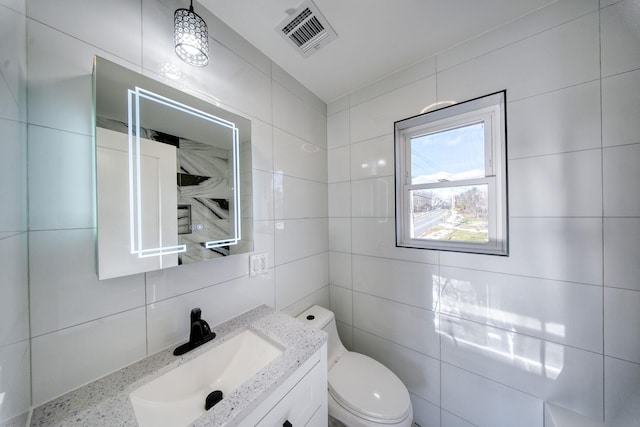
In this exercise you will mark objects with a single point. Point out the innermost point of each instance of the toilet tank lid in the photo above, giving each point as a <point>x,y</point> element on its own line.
<point>316,317</point>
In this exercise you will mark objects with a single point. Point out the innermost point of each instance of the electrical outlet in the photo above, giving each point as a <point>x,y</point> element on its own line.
<point>258,264</point>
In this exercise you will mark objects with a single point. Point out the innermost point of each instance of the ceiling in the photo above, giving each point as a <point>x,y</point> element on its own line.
<point>375,37</point>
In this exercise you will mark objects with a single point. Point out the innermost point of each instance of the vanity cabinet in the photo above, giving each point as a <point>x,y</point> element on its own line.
<point>291,390</point>
<point>301,400</point>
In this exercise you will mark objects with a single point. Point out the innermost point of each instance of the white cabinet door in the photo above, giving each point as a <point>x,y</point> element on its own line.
<point>301,403</point>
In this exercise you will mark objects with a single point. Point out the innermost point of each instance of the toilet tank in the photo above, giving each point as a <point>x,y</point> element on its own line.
<point>320,318</point>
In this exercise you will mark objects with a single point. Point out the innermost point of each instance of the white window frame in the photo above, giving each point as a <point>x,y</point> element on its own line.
<point>490,110</point>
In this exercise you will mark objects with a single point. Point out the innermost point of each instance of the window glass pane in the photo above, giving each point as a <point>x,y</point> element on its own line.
<point>450,155</point>
<point>450,214</point>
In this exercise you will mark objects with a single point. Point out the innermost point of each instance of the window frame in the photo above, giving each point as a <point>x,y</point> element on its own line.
<point>490,110</point>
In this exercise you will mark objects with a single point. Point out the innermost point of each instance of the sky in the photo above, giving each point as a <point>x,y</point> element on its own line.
<point>452,154</point>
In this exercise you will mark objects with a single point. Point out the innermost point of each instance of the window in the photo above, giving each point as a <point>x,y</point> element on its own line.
<point>451,178</point>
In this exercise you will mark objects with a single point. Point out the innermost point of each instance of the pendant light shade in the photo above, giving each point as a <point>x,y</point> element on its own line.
<point>191,37</point>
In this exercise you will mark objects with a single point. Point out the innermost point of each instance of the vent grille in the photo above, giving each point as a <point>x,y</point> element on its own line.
<point>308,31</point>
<point>298,19</point>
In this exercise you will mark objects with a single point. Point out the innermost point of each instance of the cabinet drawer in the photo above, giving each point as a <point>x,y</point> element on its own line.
<point>301,403</point>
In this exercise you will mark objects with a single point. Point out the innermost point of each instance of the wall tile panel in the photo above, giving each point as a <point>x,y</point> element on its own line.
<point>620,37</point>
<point>408,326</point>
<point>68,358</point>
<point>485,403</point>
<point>620,108</point>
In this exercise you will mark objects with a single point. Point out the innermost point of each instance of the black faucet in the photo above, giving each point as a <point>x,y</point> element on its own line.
<point>200,333</point>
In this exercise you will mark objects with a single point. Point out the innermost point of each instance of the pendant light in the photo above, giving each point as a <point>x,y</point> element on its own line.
<point>191,37</point>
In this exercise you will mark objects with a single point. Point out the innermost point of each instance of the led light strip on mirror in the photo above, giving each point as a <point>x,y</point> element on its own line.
<point>135,179</point>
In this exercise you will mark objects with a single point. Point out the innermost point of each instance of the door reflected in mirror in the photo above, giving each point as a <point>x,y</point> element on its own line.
<point>169,173</point>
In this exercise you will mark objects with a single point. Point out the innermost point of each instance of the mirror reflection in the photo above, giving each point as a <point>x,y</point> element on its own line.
<point>169,172</point>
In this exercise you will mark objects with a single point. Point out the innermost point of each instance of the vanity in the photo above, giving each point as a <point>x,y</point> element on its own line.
<point>290,390</point>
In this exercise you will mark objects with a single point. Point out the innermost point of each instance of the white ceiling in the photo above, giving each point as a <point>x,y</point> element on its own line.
<point>375,37</point>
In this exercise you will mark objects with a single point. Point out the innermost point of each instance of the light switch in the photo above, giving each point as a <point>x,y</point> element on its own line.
<point>258,264</point>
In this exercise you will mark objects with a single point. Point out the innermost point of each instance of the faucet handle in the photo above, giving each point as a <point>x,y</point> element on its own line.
<point>196,313</point>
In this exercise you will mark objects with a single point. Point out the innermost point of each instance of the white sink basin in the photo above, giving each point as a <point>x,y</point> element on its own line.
<point>177,398</point>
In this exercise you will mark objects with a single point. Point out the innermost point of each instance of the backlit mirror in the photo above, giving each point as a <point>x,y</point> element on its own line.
<point>173,175</point>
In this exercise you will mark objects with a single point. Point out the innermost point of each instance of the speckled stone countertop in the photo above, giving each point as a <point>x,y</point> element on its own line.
<point>105,402</point>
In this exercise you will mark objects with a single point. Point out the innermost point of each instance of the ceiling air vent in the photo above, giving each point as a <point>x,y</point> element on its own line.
<point>306,29</point>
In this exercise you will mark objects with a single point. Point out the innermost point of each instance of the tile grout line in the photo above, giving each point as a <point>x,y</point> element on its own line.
<point>602,198</point>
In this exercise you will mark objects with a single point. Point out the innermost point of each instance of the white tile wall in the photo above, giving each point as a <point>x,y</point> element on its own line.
<point>408,326</point>
<point>621,380</point>
<point>172,282</point>
<point>621,249</point>
<point>58,161</point>
<point>300,238</point>
<point>290,191</point>
<point>376,237</point>
<point>293,115</point>
<point>373,198</point>
<point>372,158</point>
<point>425,413</point>
<point>450,420</point>
<point>338,130</point>
<point>556,122</point>
<point>264,240</point>
<point>621,311</point>
<point>375,117</point>
<point>311,101</point>
<point>13,60</point>
<point>486,403</point>
<point>229,79</point>
<point>14,303</point>
<point>528,68</point>
<point>420,373</point>
<point>59,78</point>
<point>298,158</point>
<point>68,358</point>
<point>339,199</point>
<point>261,146</point>
<point>168,320</point>
<point>411,283</point>
<point>15,381</point>
<point>545,309</point>
<point>564,375</point>
<point>15,356</point>
<point>16,5</point>
<point>567,249</point>
<point>263,195</point>
<point>620,107</point>
<point>341,302</point>
<point>64,286</point>
<point>555,14</point>
<point>338,164</point>
<point>340,234</point>
<point>485,340</point>
<point>340,269</point>
<point>619,171</point>
<point>78,319</point>
<point>125,40</point>
<point>301,278</point>
<point>407,76</point>
<point>619,31</point>
<point>13,171</point>
<point>534,189</point>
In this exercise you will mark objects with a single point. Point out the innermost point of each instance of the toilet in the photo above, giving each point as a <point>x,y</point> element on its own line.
<point>362,391</point>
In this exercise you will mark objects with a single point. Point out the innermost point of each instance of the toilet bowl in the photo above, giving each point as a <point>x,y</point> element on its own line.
<point>362,391</point>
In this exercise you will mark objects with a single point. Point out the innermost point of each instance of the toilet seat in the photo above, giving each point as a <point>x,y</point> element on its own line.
<point>368,389</point>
